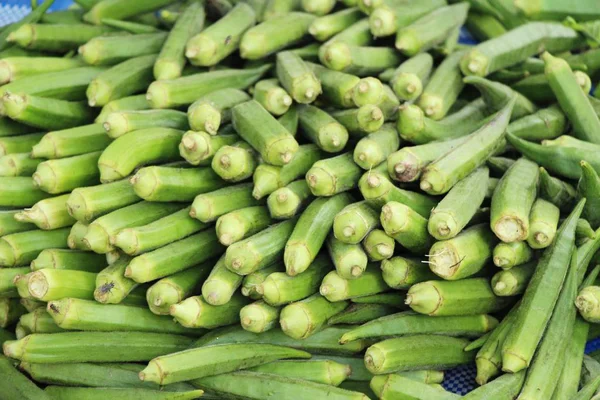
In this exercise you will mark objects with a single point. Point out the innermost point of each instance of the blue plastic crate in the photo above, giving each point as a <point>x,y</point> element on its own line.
<point>14,10</point>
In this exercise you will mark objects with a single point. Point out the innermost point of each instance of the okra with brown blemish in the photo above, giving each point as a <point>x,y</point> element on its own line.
<point>337,86</point>
<point>406,226</point>
<point>208,207</point>
<point>111,286</point>
<point>111,50</point>
<point>286,202</point>
<point>55,38</point>
<point>18,164</point>
<point>333,175</point>
<point>210,111</point>
<point>87,203</point>
<point>322,129</point>
<point>403,272</point>
<point>239,224</point>
<point>71,142</point>
<point>198,148</point>
<point>513,281</point>
<point>63,175</point>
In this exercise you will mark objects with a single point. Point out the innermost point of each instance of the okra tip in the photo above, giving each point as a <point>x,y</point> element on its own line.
<point>423,298</point>
<point>158,95</point>
<point>374,359</point>
<point>586,302</point>
<point>14,104</point>
<point>512,362</point>
<point>295,322</point>
<point>296,258</point>
<point>115,125</point>
<point>14,348</point>
<point>7,255</point>
<point>474,63</point>
<point>166,69</point>
<point>58,310</point>
<point>485,370</point>
<point>337,56</point>
<point>186,312</point>
<point>152,373</point>
<point>24,35</point>
<point>382,22</point>
<point>6,73</point>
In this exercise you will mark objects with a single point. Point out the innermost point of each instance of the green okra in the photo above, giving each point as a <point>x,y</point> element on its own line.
<point>8,127</point>
<point>274,34</point>
<point>280,288</point>
<point>500,165</point>
<point>68,259</point>
<point>18,191</point>
<point>303,318</point>
<point>350,260</point>
<point>36,15</point>
<point>513,281</point>
<point>387,18</point>
<point>111,286</point>
<point>584,231</point>
<point>131,103</point>
<point>417,352</point>
<point>76,235</point>
<point>537,88</point>
<point>458,207</point>
<point>534,313</point>
<point>221,284</point>
<point>287,201</point>
<point>208,207</point>
<point>543,224</point>
<point>72,393</point>
<point>121,9</point>
<point>269,94</point>
<point>327,26</point>
<point>443,88</point>
<point>195,312</point>
<point>430,29</point>
<point>447,298</point>
<point>45,113</point>
<point>513,200</point>
<point>335,288</point>
<point>21,248</point>
<point>259,317</point>
<point>8,223</point>
<point>505,387</point>
<point>398,386</point>
<point>484,26</point>
<point>71,142</point>
<point>318,7</point>
<point>48,214</point>
<point>174,257</point>
<point>358,60</point>
<point>252,282</point>
<point>235,163</point>
<point>394,299</point>
<point>111,50</point>
<point>88,203</point>
<point>508,255</point>
<point>568,383</point>
<point>406,226</point>
<point>120,123</point>
<point>9,286</point>
<point>94,347</point>
<point>375,148</point>
<point>402,272</point>
<point>16,385</point>
<point>441,175</point>
<point>14,68</point>
<point>410,77</point>
<point>129,26</point>
<point>361,313</point>
<point>588,187</point>
<point>19,144</point>
<point>122,80</point>
<point>63,175</point>
<point>102,230</point>
<point>21,282</point>
<point>10,311</point>
<point>276,8</point>
<point>297,77</point>
<point>354,222</point>
<point>153,145</point>
<point>526,41</point>
<point>332,176</point>
<point>310,232</point>
<point>289,120</point>
<point>239,224</point>
<point>587,303</point>
<point>54,284</point>
<point>324,371</point>
<point>559,193</point>
<point>554,10</point>
<point>39,321</point>
<point>369,90</point>
<point>210,111</point>
<point>322,129</point>
<point>337,86</point>
<point>55,38</point>
<point>198,148</point>
<point>171,60</point>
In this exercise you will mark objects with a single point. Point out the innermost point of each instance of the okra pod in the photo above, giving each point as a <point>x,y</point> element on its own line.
<point>69,259</point>
<point>20,191</point>
<point>15,385</point>
<point>410,77</point>
<point>89,203</point>
<point>398,386</point>
<point>251,282</point>
<point>505,387</point>
<point>131,103</point>
<point>56,38</point>
<point>8,223</point>
<point>259,317</point>
<point>195,312</point>
<point>335,288</point>
<point>8,127</point>
<point>361,313</point>
<point>111,286</point>
<point>543,224</point>
<point>239,224</point>
<point>354,222</point>
<point>553,10</point>
<point>322,129</point>
<point>121,9</point>
<point>129,26</point>
<point>73,393</point>
<point>48,214</point>
<point>71,142</point>
<point>320,371</point>
<point>375,148</point>
<point>406,226</point>
<point>198,148</point>
<point>210,111</point>
<point>378,245</point>
<point>508,255</point>
<point>332,176</point>
<point>120,123</point>
<point>350,260</point>
<point>386,18</point>
<point>303,318</point>
<point>287,201</point>
<point>297,77</point>
<point>269,94</point>
<point>10,311</point>
<point>8,284</point>
<point>235,163</point>
<point>55,284</point>
<point>337,86</point>
<point>327,26</point>
<point>588,187</point>
<point>289,120</point>
<point>21,248</point>
<point>559,193</point>
<point>568,383</point>
<point>402,273</point>
<point>21,282</point>
<point>66,174</point>
<point>546,123</point>
<point>513,281</point>
<point>208,207</point>
<point>394,299</point>
<point>111,50</point>
<point>14,68</point>
<point>221,284</point>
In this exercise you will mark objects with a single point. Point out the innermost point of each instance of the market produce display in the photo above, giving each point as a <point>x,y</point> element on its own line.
<point>300,199</point>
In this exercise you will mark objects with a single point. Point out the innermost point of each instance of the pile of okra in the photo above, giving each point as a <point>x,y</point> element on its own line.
<point>299,199</point>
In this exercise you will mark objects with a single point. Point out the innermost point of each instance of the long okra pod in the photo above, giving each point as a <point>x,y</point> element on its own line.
<point>387,18</point>
<point>66,174</point>
<point>8,223</point>
<point>57,38</point>
<point>48,214</point>
<point>210,111</point>
<point>69,259</point>
<point>297,77</point>
<point>303,318</point>
<point>122,122</point>
<point>13,68</point>
<point>131,103</point>
<point>325,371</point>
<point>196,312</point>
<point>71,142</point>
<point>559,193</point>
<point>208,207</point>
<point>111,50</point>
<point>72,393</point>
<point>54,284</point>
<point>588,187</point>
<point>358,60</point>
<point>121,9</point>
<point>361,313</point>
<point>88,203</point>
<point>16,385</point>
<point>239,224</point>
<point>21,248</point>
<point>198,148</point>
<point>20,192</point>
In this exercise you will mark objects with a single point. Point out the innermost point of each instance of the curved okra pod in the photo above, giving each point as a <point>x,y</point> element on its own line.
<point>543,221</point>
<point>235,163</point>
<point>210,111</point>
<point>111,50</point>
<point>378,245</point>
<point>269,94</point>
<point>120,123</point>
<point>259,317</point>
<point>513,281</point>
<point>589,187</point>
<point>374,148</point>
<point>297,77</point>
<point>441,175</point>
<point>48,214</point>
<point>68,259</point>
<point>131,103</point>
<point>251,283</point>
<point>322,129</point>
<point>56,38</point>
<point>208,207</point>
<point>354,222</point>
<point>65,174</point>
<point>337,86</point>
<point>402,272</point>
<point>327,26</point>
<point>546,123</point>
<point>19,164</point>
<point>512,201</point>
<point>71,142</point>
<point>335,288</point>
<point>122,80</point>
<point>121,9</point>
<point>195,312</point>
<point>304,318</point>
<point>239,224</point>
<point>406,226</point>
<point>54,284</point>
<point>387,18</point>
<point>508,255</point>
<point>333,175</point>
<point>14,68</point>
<point>198,148</point>
<point>87,203</point>
<point>287,201</point>
<point>221,284</point>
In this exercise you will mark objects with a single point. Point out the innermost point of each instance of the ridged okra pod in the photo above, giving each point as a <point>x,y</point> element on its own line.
<point>335,288</point>
<point>19,144</point>
<point>221,284</point>
<point>111,50</point>
<point>269,94</point>
<point>10,280</point>
<point>567,385</point>
<point>111,286</point>
<point>402,272</point>
<point>324,371</point>
<point>39,321</point>
<point>195,312</point>
<point>235,163</point>
<point>89,203</point>
<point>210,111</point>
<point>337,86</point>
<point>20,191</point>
<point>588,187</point>
<point>10,311</point>
<point>259,317</point>
<point>375,148</point>
<point>16,385</point>
<point>55,38</point>
<point>121,9</point>
<point>48,214</point>
<point>543,221</point>
<point>358,60</point>
<point>513,281</point>
<point>505,387</point>
<point>508,255</point>
<point>14,68</point>
<point>406,226</point>
<point>21,248</point>
<point>65,174</point>
<point>72,393</point>
<point>153,145</point>
<point>561,194</point>
<point>326,26</point>
<point>198,148</point>
<point>356,314</point>
<point>546,123</point>
<point>251,282</point>
<point>287,201</point>
<point>71,142</point>
<point>120,123</point>
<point>131,103</point>
<point>208,207</point>
<point>71,347</point>
<point>303,318</point>
<point>350,260</point>
<point>354,222</point>
<point>8,223</point>
<point>55,284</point>
<point>297,77</point>
<point>378,245</point>
<point>409,79</point>
<point>69,259</point>
<point>310,232</point>
<point>239,224</point>
<point>322,129</point>
<point>333,175</point>
<point>386,18</point>
<point>222,38</point>
<point>398,386</point>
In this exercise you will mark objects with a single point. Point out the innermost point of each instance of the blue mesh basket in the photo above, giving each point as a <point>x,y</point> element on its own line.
<point>460,380</point>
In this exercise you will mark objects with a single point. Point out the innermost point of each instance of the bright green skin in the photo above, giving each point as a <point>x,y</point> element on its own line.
<point>171,60</point>
<point>71,142</point>
<point>76,235</point>
<point>111,286</point>
<point>388,17</point>
<point>19,144</point>
<point>375,148</point>
<point>239,224</point>
<point>409,78</point>
<point>131,103</point>
<point>337,86</point>
<point>14,68</point>
<point>322,129</point>
<point>21,248</point>
<point>210,111</point>
<point>431,29</point>
<point>8,127</point>
<point>463,255</point>
<point>408,323</point>
<point>252,282</point>
<point>247,384</point>
<point>589,187</point>
<point>506,387</point>
<point>459,206</point>
<point>508,255</point>
<point>534,312</point>
<point>86,204</point>
<point>354,222</point>
<point>350,260</point>
<point>536,88</point>
<point>122,80</point>
<point>272,96</point>
<point>276,8</point>
<point>53,284</point>
<point>559,193</point>
<point>128,26</point>
<point>69,259</point>
<point>358,60</point>
<point>91,316</point>
<point>368,91</point>
<point>199,148</point>
<point>121,9</point>
<point>263,132</point>
<point>513,281</point>
<point>286,202</point>
<point>208,207</point>
<point>378,245</point>
<point>235,163</point>
<point>259,317</point>
<point>513,200</point>
<point>334,175</point>
<point>34,16</point>
<point>103,229</point>
<point>122,122</point>
<point>8,287</point>
<point>517,45</point>
<point>416,353</point>
<point>397,386</point>
<point>153,145</point>
<point>58,38</point>
<point>221,284</point>
<point>16,386</point>
<point>195,312</point>
<point>111,50</point>
<point>406,226</point>
<point>174,257</point>
<point>443,88</point>
<point>269,178</point>
<point>361,313</point>
<point>402,273</point>
<point>67,393</point>
<point>279,288</point>
<point>335,288</point>
<point>441,175</point>
<point>8,223</point>
<point>289,120</point>
<point>543,221</point>
<point>303,318</point>
<point>10,311</point>
<point>65,174</point>
<point>568,384</point>
<point>394,299</point>
<point>274,34</point>
<point>17,191</point>
<point>48,214</point>
<point>484,26</point>
<point>324,371</point>
<point>297,77</point>
<point>557,10</point>
<point>327,26</point>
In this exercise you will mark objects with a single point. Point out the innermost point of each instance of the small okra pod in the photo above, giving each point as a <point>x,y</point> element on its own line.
<point>335,288</point>
<point>235,163</point>
<point>543,221</point>
<point>111,286</point>
<point>388,17</point>
<point>286,202</point>
<point>19,164</point>
<point>337,86</point>
<point>303,318</point>
<point>410,77</point>
<point>459,206</point>
<point>327,26</point>
<point>324,371</point>
<point>87,203</point>
<point>153,145</point>
<point>198,148</point>
<point>589,187</point>
<point>259,250</point>
<point>322,129</point>
<point>131,103</point>
<point>335,175</point>
<point>55,284</point>
<point>297,77</point>
<point>252,282</point>
<point>361,313</point>
<point>378,245</point>
<point>263,132</point>
<point>512,201</point>
<point>45,113</point>
<point>354,222</point>
<point>171,60</point>
<point>18,191</point>
<point>221,284</point>
<point>350,260</point>
<point>561,194</point>
<point>358,60</point>
<point>441,175</point>
<point>71,142</point>
<point>196,312</point>
<point>274,34</point>
<point>121,9</point>
<point>111,50</point>
<point>76,235</point>
<point>56,38</point>
<point>239,224</point>
<point>14,68</point>
<point>375,148</point>
<point>210,111</point>
<point>208,207</point>
<point>48,214</point>
<point>73,393</point>
<point>269,94</point>
<point>512,282</point>
<point>8,223</point>
<point>65,174</point>
<point>508,255</point>
<point>259,317</point>
<point>120,123</point>
<point>406,226</point>
<point>69,259</point>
